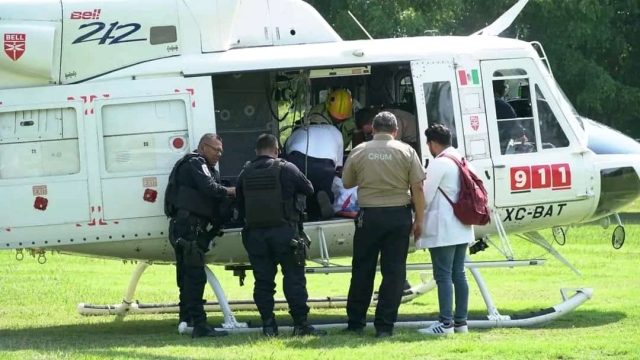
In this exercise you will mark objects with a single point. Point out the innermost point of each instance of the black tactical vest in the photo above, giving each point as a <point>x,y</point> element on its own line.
<point>263,201</point>
<point>182,197</point>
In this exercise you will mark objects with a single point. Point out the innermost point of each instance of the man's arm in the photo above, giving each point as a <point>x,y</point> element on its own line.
<point>302,184</point>
<point>416,179</point>
<point>419,206</point>
<point>204,180</point>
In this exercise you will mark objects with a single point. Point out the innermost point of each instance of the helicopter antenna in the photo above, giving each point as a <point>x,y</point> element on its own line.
<point>360,25</point>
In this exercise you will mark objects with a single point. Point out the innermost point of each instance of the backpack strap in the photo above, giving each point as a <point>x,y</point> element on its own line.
<point>459,163</point>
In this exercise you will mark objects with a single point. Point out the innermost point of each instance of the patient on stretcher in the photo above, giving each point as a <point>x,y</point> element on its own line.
<point>345,202</point>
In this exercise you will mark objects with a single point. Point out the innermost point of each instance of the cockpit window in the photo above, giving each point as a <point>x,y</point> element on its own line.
<point>523,112</point>
<point>502,73</point>
<point>516,126</point>
<point>551,132</point>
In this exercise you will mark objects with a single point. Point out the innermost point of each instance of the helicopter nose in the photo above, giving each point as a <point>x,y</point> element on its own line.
<point>617,162</point>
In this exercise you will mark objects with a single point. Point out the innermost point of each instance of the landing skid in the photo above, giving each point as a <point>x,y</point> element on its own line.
<point>492,319</point>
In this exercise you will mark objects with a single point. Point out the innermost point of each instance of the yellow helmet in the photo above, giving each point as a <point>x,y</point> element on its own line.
<point>339,104</point>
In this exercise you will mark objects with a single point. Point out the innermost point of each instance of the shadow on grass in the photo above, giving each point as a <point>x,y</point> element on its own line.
<point>101,338</point>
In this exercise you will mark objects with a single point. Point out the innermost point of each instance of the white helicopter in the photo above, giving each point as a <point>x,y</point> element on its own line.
<point>98,100</point>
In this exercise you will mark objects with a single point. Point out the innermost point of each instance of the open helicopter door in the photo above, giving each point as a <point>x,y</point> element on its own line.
<point>435,90</point>
<point>143,129</point>
<point>77,156</point>
<point>441,98</point>
<point>535,153</point>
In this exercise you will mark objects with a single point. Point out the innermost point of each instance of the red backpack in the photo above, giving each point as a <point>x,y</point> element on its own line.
<point>472,207</point>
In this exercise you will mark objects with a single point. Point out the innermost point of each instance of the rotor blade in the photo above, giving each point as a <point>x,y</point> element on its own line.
<point>504,21</point>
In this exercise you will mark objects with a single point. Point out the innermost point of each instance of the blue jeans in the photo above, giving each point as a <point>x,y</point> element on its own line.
<point>449,272</point>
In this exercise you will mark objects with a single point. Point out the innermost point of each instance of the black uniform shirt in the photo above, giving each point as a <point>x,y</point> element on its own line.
<point>504,110</point>
<point>198,174</point>
<point>292,180</point>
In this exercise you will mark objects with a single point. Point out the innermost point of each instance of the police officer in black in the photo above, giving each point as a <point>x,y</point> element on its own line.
<point>270,197</point>
<point>192,201</point>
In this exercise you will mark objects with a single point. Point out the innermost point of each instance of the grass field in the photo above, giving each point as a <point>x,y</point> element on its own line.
<point>38,318</point>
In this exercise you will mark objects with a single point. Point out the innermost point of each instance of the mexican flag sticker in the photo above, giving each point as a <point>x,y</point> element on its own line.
<point>469,78</point>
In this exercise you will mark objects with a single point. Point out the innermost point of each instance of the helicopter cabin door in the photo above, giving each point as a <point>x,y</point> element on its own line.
<point>534,151</point>
<point>442,98</point>
<point>435,89</point>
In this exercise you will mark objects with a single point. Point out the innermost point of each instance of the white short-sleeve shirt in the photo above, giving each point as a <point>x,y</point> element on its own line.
<point>325,142</point>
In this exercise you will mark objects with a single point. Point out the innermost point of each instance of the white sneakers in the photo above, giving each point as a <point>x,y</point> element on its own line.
<point>438,328</point>
<point>461,328</point>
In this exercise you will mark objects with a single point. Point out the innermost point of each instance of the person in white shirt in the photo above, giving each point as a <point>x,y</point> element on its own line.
<point>444,235</point>
<point>317,150</point>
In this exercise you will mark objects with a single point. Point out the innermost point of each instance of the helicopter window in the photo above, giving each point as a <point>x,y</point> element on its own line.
<point>509,72</point>
<point>405,91</point>
<point>516,126</point>
<point>551,133</point>
<point>439,102</point>
<point>162,35</point>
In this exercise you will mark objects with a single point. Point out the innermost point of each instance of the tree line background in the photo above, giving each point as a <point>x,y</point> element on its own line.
<point>593,46</point>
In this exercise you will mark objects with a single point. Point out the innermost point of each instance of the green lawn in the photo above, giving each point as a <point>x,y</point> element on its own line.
<point>38,318</point>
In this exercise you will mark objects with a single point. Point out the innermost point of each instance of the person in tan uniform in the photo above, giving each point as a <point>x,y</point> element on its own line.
<point>383,169</point>
<point>407,126</point>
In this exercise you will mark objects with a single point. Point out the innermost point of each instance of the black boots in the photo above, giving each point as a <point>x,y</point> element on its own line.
<point>304,329</point>
<point>300,328</point>
<point>207,331</point>
<point>270,328</point>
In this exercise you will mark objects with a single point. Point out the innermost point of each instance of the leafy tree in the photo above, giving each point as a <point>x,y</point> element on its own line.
<point>593,45</point>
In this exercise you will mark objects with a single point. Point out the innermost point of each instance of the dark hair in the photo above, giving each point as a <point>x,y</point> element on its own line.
<point>439,134</point>
<point>266,142</point>
<point>365,117</point>
<point>499,87</point>
<point>385,122</point>
<point>209,136</point>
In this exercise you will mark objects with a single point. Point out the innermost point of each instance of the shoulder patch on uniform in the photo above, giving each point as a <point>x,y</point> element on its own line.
<point>206,169</point>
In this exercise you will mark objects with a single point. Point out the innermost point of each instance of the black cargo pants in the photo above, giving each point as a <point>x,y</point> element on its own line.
<point>267,248</point>
<point>320,173</point>
<point>191,280</point>
<point>384,231</point>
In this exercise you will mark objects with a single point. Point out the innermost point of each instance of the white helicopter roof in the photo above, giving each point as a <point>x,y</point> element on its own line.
<point>50,42</point>
<point>344,53</point>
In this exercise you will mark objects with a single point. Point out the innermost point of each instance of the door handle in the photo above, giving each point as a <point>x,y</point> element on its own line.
<point>499,166</point>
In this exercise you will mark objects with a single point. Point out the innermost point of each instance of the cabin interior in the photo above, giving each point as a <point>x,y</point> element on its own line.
<point>252,103</point>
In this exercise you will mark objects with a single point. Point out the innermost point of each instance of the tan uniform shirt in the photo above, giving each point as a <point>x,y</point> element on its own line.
<point>407,127</point>
<point>383,169</point>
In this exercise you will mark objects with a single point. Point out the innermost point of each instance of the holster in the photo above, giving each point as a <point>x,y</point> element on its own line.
<point>192,253</point>
<point>299,247</point>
